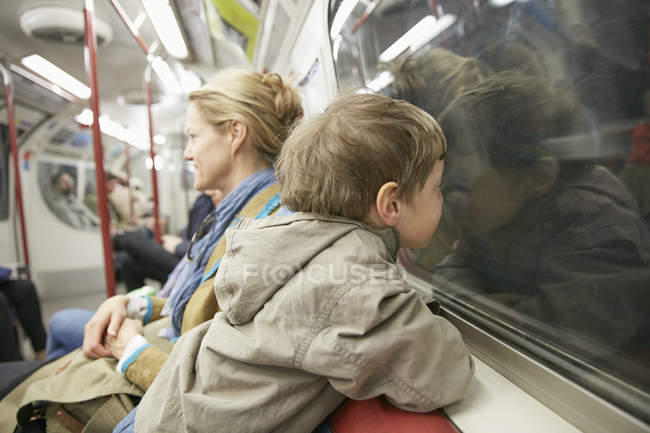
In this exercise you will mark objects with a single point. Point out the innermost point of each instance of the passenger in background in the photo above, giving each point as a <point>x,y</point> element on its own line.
<point>127,206</point>
<point>314,307</point>
<point>556,241</point>
<point>236,125</point>
<point>140,256</point>
<point>636,172</point>
<point>19,297</point>
<point>67,206</point>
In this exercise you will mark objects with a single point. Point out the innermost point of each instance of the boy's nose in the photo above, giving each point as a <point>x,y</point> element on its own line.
<point>187,153</point>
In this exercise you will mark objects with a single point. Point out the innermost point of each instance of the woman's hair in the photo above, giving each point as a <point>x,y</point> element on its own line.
<point>263,102</point>
<point>432,80</point>
<point>336,162</point>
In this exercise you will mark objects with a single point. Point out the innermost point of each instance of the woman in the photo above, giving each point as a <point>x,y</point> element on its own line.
<point>236,126</point>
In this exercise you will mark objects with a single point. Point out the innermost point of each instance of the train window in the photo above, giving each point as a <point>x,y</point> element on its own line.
<point>59,184</point>
<point>546,108</point>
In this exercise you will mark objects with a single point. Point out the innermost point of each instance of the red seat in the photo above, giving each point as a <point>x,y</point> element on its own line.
<point>379,416</point>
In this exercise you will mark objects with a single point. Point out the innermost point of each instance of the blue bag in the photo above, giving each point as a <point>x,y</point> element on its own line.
<point>5,273</point>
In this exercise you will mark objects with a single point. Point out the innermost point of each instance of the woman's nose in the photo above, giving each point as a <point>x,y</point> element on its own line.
<point>187,153</point>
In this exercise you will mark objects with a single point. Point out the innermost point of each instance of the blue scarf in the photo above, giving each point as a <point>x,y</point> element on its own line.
<point>189,277</point>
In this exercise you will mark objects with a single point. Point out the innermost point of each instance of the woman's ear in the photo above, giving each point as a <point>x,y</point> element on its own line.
<point>238,132</point>
<point>541,178</point>
<point>388,205</point>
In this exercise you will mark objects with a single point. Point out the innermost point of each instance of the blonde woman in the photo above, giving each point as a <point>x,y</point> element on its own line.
<point>236,125</point>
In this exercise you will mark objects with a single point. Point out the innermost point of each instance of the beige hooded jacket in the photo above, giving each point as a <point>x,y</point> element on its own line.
<point>313,310</point>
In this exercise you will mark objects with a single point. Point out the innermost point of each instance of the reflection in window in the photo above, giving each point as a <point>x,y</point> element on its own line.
<point>546,109</point>
<point>58,183</point>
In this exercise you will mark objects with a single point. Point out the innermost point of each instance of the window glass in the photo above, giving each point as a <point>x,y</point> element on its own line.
<point>59,186</point>
<point>546,109</point>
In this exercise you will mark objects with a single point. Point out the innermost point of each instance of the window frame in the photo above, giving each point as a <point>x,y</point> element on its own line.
<point>581,407</point>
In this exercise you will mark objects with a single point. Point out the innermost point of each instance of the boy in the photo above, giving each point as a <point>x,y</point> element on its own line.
<point>313,305</point>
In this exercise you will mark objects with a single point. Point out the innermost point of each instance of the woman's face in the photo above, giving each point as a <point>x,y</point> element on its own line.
<point>208,150</point>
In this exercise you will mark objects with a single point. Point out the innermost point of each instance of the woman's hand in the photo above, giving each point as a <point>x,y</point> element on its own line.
<point>106,321</point>
<point>170,242</point>
<point>129,328</point>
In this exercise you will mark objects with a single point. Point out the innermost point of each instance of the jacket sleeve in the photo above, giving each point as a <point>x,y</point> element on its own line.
<point>146,366</point>
<point>387,342</point>
<point>157,306</point>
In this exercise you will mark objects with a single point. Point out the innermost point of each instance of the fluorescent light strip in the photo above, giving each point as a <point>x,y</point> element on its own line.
<point>341,16</point>
<point>419,35</point>
<point>164,23</point>
<point>136,138</point>
<point>56,75</point>
<point>500,3</point>
<point>382,80</point>
<point>166,75</point>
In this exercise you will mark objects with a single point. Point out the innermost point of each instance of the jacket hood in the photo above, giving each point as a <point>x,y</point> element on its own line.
<point>263,254</point>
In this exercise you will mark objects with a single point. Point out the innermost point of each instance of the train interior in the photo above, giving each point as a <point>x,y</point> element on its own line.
<point>549,287</point>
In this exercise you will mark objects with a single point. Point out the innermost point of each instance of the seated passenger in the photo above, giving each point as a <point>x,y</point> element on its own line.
<point>67,206</point>
<point>313,305</point>
<point>139,256</point>
<point>19,297</point>
<point>557,241</point>
<point>236,125</point>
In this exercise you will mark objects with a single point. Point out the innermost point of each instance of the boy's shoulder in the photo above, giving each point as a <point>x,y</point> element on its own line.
<point>317,226</point>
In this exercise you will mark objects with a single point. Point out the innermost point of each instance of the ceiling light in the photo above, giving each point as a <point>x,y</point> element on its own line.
<point>500,3</point>
<point>382,80</point>
<point>159,139</point>
<point>341,16</point>
<point>418,36</point>
<point>136,138</point>
<point>166,75</point>
<point>56,75</point>
<point>164,23</point>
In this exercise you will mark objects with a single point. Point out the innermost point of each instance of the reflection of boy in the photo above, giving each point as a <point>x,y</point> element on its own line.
<point>67,206</point>
<point>313,306</point>
<point>552,238</point>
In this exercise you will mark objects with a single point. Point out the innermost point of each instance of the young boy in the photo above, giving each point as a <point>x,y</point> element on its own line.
<point>313,306</point>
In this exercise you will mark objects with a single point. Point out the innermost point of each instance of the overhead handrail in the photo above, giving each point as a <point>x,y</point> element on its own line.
<point>11,121</point>
<point>90,54</point>
<point>148,52</point>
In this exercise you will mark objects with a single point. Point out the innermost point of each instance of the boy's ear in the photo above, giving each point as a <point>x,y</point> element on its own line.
<point>541,178</point>
<point>388,204</point>
<point>238,132</point>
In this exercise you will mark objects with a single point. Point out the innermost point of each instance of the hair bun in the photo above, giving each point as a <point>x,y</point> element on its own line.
<point>285,99</point>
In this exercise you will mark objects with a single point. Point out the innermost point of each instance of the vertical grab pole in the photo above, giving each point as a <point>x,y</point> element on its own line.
<point>152,153</point>
<point>11,121</point>
<point>127,163</point>
<point>90,55</point>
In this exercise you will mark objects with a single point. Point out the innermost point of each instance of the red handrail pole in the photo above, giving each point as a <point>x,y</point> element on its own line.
<point>152,154</point>
<point>120,11</point>
<point>90,55</point>
<point>127,164</point>
<point>11,121</point>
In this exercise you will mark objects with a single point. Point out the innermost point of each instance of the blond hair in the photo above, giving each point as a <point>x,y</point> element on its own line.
<point>335,163</point>
<point>263,102</point>
<point>432,80</point>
